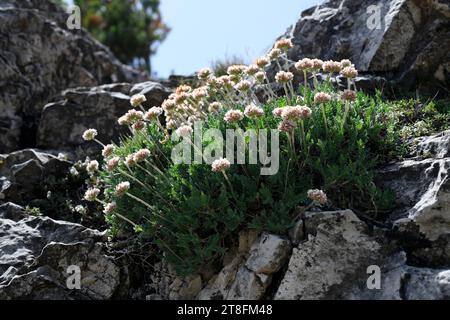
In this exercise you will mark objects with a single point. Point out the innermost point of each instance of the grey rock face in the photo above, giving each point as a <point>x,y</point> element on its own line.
<point>422,187</point>
<point>404,41</point>
<point>40,58</point>
<point>336,255</point>
<point>62,123</point>
<point>36,252</point>
<point>248,275</point>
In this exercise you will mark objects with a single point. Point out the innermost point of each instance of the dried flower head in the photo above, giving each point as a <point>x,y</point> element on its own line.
<point>137,100</point>
<point>204,74</point>
<point>349,72</point>
<point>348,95</point>
<point>141,155</point>
<point>90,134</point>
<point>253,112</point>
<point>109,208</point>
<point>322,97</point>
<point>108,150</point>
<point>122,188</point>
<point>91,194</point>
<point>233,116</point>
<point>306,112</point>
<point>92,166</point>
<point>284,77</point>
<point>262,62</point>
<point>153,114</point>
<point>220,165</point>
<point>305,64</point>
<point>318,196</point>
<point>112,164</point>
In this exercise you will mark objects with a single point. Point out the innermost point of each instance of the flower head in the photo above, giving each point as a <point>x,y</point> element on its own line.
<point>262,62</point>
<point>109,208</point>
<point>274,54</point>
<point>108,150</point>
<point>318,196</point>
<point>295,113</point>
<point>184,88</point>
<point>199,93</point>
<point>286,126</point>
<point>284,44</point>
<point>277,112</point>
<point>260,76</point>
<point>90,134</point>
<point>332,66</point>
<point>129,160</point>
<point>252,69</point>
<point>236,70</point>
<point>349,72</point>
<point>243,85</point>
<point>153,114</point>
<point>284,77</point>
<point>122,188</point>
<point>348,95</point>
<point>137,100</point>
<point>91,194</point>
<point>233,116</point>
<point>138,126</point>
<point>92,166</point>
<point>305,64</point>
<point>253,111</point>
<point>204,74</point>
<point>322,97</point>
<point>346,63</point>
<point>184,131</point>
<point>141,155</point>
<point>220,165</point>
<point>168,105</point>
<point>112,163</point>
<point>317,64</point>
<point>215,107</point>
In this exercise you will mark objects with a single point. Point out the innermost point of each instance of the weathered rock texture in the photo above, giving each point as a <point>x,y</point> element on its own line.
<point>63,122</point>
<point>36,253</point>
<point>403,41</point>
<point>40,57</point>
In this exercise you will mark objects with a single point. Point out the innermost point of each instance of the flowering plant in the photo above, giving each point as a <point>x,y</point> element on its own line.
<point>193,211</point>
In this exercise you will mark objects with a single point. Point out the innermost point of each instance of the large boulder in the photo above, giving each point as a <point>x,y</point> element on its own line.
<point>40,58</point>
<point>39,255</point>
<point>63,122</point>
<point>405,42</point>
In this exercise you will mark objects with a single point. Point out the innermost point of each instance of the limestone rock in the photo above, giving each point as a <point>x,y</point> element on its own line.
<point>336,255</point>
<point>404,41</point>
<point>36,252</point>
<point>42,57</point>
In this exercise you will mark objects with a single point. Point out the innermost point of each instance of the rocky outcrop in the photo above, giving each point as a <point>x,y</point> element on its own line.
<point>405,42</point>
<point>62,123</point>
<point>39,58</point>
<point>39,255</point>
<point>422,187</point>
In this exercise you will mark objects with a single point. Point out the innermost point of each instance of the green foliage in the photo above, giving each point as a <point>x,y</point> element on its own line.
<point>132,29</point>
<point>195,215</point>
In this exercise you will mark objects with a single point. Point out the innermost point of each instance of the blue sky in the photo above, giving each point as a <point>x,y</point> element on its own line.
<point>206,30</point>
